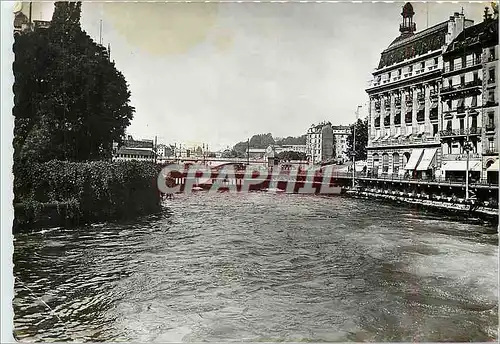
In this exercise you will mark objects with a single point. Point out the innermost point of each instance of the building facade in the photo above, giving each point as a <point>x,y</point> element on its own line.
<point>319,142</point>
<point>469,100</point>
<point>404,107</point>
<point>340,134</point>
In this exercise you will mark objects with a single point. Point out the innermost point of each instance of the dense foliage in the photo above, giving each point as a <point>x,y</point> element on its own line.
<point>95,190</point>
<point>292,156</point>
<point>71,102</point>
<point>361,139</point>
<point>262,141</point>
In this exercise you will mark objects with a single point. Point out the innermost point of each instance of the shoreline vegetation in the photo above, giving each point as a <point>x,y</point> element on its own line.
<point>62,193</point>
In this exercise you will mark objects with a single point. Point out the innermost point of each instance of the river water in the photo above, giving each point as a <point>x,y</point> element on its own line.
<point>260,267</point>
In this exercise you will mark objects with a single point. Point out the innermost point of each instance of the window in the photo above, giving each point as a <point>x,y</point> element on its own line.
<point>491,145</point>
<point>399,72</point>
<point>449,148</point>
<point>492,54</point>
<point>462,124</point>
<point>410,69</point>
<point>491,118</point>
<point>492,76</point>
<point>434,129</point>
<point>476,76</point>
<point>422,65</point>
<point>435,61</point>
<point>462,80</point>
<point>450,82</point>
<point>491,96</point>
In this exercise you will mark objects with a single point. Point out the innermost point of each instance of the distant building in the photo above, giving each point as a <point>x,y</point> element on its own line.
<point>142,150</point>
<point>319,142</point>
<point>341,133</point>
<point>256,153</point>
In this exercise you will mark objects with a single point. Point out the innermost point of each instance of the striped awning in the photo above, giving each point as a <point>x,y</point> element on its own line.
<point>415,157</point>
<point>427,159</point>
<point>461,165</point>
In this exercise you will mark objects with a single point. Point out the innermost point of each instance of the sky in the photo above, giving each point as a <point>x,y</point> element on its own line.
<point>218,73</point>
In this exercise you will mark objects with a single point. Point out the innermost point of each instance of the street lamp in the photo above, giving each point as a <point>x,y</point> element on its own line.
<point>354,148</point>
<point>467,148</point>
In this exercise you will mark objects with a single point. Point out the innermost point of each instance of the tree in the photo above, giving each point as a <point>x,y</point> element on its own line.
<point>291,156</point>
<point>290,140</point>
<point>361,139</point>
<point>70,102</point>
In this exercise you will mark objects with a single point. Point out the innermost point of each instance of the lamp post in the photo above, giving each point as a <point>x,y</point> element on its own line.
<point>354,149</point>
<point>467,148</point>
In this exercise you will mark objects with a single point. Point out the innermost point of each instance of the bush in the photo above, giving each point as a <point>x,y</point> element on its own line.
<point>89,191</point>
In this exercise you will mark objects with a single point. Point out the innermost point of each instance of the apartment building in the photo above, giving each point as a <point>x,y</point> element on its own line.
<point>319,142</point>
<point>469,100</point>
<point>340,133</point>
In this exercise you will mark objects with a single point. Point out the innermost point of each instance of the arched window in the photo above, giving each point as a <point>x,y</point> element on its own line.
<point>406,157</point>
<point>395,163</point>
<point>385,163</point>
<point>375,163</point>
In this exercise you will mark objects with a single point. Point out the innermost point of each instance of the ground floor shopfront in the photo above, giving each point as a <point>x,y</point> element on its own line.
<point>429,163</point>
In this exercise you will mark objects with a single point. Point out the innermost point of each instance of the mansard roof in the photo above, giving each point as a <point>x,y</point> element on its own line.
<point>484,34</point>
<point>407,46</point>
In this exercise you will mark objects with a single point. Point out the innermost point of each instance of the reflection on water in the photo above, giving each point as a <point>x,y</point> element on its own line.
<point>260,267</point>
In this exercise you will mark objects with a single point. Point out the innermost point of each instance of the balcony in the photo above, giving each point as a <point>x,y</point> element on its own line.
<point>460,132</point>
<point>490,128</point>
<point>491,152</point>
<point>470,88</point>
<point>377,122</point>
<point>406,141</point>
<point>459,66</point>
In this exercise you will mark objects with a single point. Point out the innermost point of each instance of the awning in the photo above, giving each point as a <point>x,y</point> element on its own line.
<point>494,167</point>
<point>415,156</point>
<point>427,159</point>
<point>375,139</point>
<point>461,165</point>
<point>385,137</point>
<point>408,134</point>
<point>397,135</point>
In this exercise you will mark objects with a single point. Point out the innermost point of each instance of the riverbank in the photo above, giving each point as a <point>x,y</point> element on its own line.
<point>67,194</point>
<point>444,205</point>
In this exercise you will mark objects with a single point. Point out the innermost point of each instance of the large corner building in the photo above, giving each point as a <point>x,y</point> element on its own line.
<point>418,102</point>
